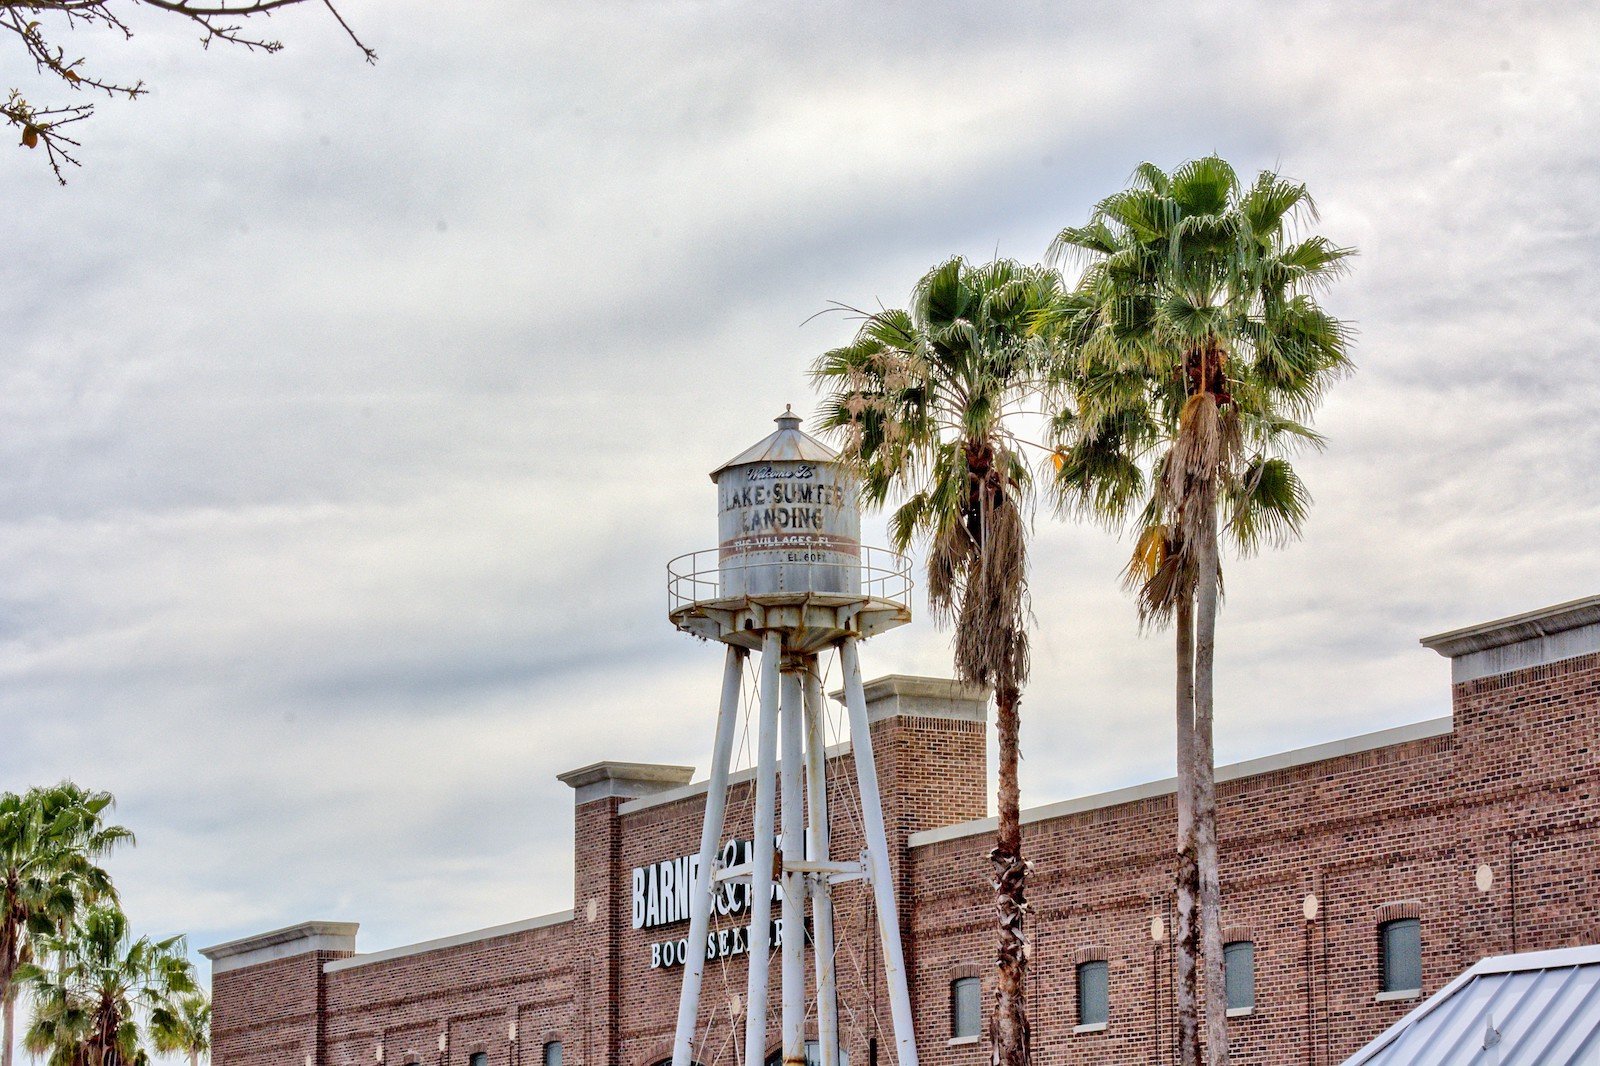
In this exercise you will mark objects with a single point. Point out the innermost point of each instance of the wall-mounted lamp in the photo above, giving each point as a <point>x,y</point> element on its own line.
<point>1308,906</point>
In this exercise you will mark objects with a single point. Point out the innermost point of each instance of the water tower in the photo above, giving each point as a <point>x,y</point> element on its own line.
<point>791,580</point>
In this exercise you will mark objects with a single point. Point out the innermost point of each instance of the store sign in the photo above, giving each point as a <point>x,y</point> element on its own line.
<point>660,897</point>
<point>720,944</point>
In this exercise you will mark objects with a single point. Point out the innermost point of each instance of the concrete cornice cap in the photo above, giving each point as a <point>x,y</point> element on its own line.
<point>944,688</point>
<point>1547,621</point>
<point>281,944</point>
<point>927,697</point>
<point>627,780</point>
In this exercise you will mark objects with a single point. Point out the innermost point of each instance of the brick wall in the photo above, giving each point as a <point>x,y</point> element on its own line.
<point>271,1014</point>
<point>1400,829</point>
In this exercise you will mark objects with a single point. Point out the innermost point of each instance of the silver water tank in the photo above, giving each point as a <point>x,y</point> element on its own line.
<point>789,518</point>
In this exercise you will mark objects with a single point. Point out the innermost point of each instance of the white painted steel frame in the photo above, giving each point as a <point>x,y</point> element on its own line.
<point>755,1018</point>
<point>882,874</point>
<point>818,851</point>
<point>791,712</point>
<point>705,885</point>
<point>794,882</point>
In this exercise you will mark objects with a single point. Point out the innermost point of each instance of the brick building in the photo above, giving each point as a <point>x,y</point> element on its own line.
<point>1357,876</point>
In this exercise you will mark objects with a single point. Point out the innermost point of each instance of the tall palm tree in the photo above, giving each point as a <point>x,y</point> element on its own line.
<point>1195,354</point>
<point>188,1030</point>
<point>110,994</point>
<point>921,400</point>
<point>50,842</point>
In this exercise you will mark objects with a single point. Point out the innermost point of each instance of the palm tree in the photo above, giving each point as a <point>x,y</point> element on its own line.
<point>1195,354</point>
<point>188,1030</point>
<point>50,839</point>
<point>109,995</point>
<point>921,400</point>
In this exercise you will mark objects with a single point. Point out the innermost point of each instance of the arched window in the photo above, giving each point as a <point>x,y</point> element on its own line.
<point>1094,995</point>
<point>1239,975</point>
<point>1400,944</point>
<point>478,1058</point>
<point>552,1054</point>
<point>966,1007</point>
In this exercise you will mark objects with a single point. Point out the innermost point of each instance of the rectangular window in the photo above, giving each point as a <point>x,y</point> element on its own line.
<point>1402,955</point>
<point>478,1058</point>
<point>552,1053</point>
<point>966,1006</point>
<point>1239,974</point>
<point>1094,993</point>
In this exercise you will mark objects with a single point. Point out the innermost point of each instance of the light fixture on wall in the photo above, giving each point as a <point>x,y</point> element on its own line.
<point>1158,929</point>
<point>1484,878</point>
<point>511,1032</point>
<point>1308,906</point>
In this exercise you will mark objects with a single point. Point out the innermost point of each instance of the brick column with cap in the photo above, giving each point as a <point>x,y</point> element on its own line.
<point>267,992</point>
<point>599,906</point>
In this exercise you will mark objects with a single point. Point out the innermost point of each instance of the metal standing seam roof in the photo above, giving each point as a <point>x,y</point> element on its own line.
<point>1540,1008</point>
<point>788,444</point>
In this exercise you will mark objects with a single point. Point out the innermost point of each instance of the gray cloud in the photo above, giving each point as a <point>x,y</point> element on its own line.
<point>353,413</point>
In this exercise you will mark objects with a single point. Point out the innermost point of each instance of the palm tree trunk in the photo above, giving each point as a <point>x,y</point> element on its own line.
<point>1206,792</point>
<point>1008,1029</point>
<point>1187,939</point>
<point>8,1023</point>
<point>194,1057</point>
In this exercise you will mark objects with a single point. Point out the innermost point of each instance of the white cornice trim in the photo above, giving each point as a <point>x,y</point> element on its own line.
<point>1267,764</point>
<point>1522,641</point>
<point>284,943</point>
<point>444,942</point>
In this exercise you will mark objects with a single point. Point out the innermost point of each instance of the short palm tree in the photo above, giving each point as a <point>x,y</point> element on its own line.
<point>921,400</point>
<point>188,1029</point>
<point>1194,354</point>
<point>108,995</point>
<point>50,841</point>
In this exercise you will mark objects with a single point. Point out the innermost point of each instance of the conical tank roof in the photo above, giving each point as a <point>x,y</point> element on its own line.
<point>789,444</point>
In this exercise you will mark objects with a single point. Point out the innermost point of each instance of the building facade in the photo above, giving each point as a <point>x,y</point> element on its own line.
<point>1357,877</point>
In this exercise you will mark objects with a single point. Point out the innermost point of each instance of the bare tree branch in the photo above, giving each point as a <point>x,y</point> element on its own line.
<point>219,20</point>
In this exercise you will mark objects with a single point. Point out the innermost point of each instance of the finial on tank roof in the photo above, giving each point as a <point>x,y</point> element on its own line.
<point>788,420</point>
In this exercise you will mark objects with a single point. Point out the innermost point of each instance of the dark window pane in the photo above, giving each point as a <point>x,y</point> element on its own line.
<point>1402,955</point>
<point>478,1058</point>
<point>966,1006</point>
<point>1094,994</point>
<point>552,1053</point>
<point>1239,974</point>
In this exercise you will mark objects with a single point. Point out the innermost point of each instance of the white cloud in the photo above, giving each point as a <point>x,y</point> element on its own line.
<point>353,413</point>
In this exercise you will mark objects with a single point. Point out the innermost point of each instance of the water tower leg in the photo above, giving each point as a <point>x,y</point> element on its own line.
<point>755,1017</point>
<point>894,958</point>
<point>702,895</point>
<point>818,845</point>
<point>794,882</point>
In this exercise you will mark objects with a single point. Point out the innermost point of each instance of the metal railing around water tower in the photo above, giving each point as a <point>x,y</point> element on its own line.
<point>697,577</point>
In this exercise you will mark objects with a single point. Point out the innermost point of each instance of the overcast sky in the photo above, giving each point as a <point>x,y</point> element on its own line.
<point>351,414</point>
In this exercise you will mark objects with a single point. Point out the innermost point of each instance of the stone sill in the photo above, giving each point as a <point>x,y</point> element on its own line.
<point>1399,996</point>
<point>961,1041</point>
<point>1240,1012</point>
<point>1097,1027</point>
